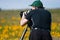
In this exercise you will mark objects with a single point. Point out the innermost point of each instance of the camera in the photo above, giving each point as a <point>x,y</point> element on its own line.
<point>24,12</point>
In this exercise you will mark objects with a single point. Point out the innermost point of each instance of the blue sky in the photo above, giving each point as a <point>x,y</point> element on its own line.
<point>21,4</point>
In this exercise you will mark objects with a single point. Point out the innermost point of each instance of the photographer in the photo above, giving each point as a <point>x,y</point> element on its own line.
<point>41,19</point>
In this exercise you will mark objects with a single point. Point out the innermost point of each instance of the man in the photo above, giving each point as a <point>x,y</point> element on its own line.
<point>41,19</point>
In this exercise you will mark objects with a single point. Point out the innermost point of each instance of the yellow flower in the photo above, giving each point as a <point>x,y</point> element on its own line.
<point>5,31</point>
<point>13,33</point>
<point>13,18</point>
<point>15,27</point>
<point>0,27</point>
<point>59,24</point>
<point>3,21</point>
<point>16,39</point>
<point>19,34</point>
<point>52,33</point>
<point>59,35</point>
<point>6,27</point>
<point>18,18</point>
<point>6,35</point>
<point>53,26</point>
<point>10,27</point>
<point>1,38</point>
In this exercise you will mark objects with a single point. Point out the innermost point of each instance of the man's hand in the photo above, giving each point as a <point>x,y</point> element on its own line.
<point>23,19</point>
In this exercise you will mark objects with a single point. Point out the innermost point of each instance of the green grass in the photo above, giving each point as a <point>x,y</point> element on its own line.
<point>7,14</point>
<point>55,15</point>
<point>11,17</point>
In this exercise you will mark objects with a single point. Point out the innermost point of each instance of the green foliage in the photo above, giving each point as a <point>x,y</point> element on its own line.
<point>12,17</point>
<point>55,15</point>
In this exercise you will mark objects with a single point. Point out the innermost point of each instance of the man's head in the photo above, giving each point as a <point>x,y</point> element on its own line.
<point>37,4</point>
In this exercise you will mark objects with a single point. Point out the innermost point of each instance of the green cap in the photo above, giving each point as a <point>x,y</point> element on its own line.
<point>37,3</point>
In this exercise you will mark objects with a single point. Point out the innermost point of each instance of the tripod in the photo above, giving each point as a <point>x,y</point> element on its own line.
<point>24,32</point>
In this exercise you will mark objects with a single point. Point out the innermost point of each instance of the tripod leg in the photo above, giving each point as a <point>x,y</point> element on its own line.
<point>23,34</point>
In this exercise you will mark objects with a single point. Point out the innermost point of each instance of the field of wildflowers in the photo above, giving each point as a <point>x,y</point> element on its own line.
<point>10,28</point>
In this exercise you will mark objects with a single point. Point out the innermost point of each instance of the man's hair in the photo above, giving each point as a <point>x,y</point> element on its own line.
<point>41,7</point>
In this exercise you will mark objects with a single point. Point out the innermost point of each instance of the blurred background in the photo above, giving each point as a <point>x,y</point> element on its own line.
<point>10,28</point>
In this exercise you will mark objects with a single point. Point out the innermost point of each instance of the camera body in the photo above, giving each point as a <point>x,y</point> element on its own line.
<point>21,13</point>
<point>29,24</point>
<point>24,12</point>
